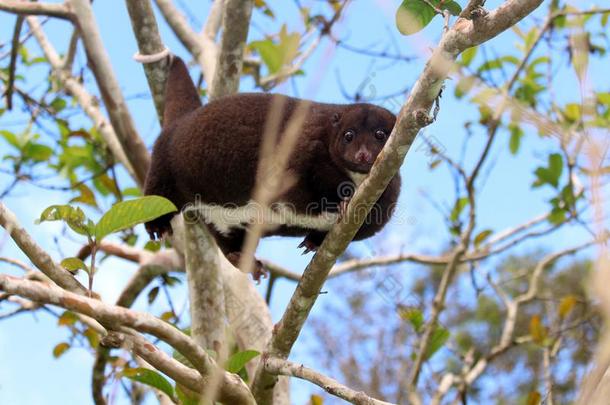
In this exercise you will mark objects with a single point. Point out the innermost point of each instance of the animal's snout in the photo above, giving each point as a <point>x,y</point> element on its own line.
<point>364,156</point>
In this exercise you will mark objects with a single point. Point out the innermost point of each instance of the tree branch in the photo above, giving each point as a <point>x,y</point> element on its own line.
<point>77,90</point>
<point>235,25</point>
<point>279,366</point>
<point>412,117</point>
<point>27,8</point>
<point>232,388</point>
<point>110,90</point>
<point>149,41</point>
<point>37,255</point>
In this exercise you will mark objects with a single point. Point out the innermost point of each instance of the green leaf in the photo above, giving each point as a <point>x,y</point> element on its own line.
<point>238,360</point>
<point>186,396</point>
<point>74,217</point>
<point>152,294</point>
<point>480,238</point>
<point>413,15</point>
<point>126,214</point>
<point>537,329</point>
<point>459,206</point>
<point>566,305</point>
<point>67,318</point>
<point>73,264</point>
<point>58,104</point>
<point>414,316</point>
<point>37,152</point>
<point>556,167</point>
<point>468,56</point>
<point>316,400</point>
<point>151,378</point>
<point>11,138</point>
<point>270,54</point>
<point>453,7</point>
<point>437,340</point>
<point>516,133</point>
<point>60,349</point>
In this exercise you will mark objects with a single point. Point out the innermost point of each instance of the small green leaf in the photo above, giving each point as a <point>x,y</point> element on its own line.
<point>126,214</point>
<point>414,316</point>
<point>67,318</point>
<point>316,400</point>
<point>74,217</point>
<point>453,7</point>
<point>58,104</point>
<point>237,361</point>
<point>413,15</point>
<point>74,264</point>
<point>151,378</point>
<point>516,133</point>
<point>459,206</point>
<point>152,294</point>
<point>534,398</point>
<point>437,340</point>
<point>566,305</point>
<point>60,349</point>
<point>468,56</point>
<point>480,238</point>
<point>537,329</point>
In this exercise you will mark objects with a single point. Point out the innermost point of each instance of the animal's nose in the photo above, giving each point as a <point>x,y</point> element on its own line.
<point>363,156</point>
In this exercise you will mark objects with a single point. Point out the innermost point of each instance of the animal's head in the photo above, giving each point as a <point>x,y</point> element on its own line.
<point>359,133</point>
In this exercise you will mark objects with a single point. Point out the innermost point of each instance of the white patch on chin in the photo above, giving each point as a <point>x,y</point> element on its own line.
<point>226,218</point>
<point>356,177</point>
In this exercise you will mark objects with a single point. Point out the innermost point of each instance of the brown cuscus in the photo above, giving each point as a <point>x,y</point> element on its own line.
<point>209,155</point>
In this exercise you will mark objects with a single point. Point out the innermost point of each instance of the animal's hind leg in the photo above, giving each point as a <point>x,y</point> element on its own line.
<point>231,245</point>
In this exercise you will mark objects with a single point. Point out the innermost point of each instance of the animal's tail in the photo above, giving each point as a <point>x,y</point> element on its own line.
<point>181,95</point>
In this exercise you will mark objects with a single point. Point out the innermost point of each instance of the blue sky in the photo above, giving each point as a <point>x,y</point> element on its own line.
<point>26,341</point>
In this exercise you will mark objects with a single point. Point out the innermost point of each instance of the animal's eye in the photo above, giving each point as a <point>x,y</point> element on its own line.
<point>349,136</point>
<point>380,135</point>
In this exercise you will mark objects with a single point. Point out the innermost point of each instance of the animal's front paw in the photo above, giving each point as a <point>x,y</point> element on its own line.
<point>159,227</point>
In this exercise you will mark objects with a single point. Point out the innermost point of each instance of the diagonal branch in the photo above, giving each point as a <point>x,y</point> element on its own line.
<point>413,116</point>
<point>78,91</point>
<point>37,255</point>
<point>232,388</point>
<point>110,90</point>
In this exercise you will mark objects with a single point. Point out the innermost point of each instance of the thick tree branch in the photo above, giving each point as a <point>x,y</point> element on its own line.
<point>203,49</point>
<point>232,388</point>
<point>145,28</point>
<point>27,8</point>
<point>413,116</point>
<point>235,25</point>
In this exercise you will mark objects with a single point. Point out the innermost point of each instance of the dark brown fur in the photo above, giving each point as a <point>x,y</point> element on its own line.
<point>211,153</point>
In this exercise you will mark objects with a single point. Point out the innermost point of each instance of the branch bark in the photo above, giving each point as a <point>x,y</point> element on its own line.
<point>110,90</point>
<point>232,388</point>
<point>235,25</point>
<point>26,8</point>
<point>87,101</point>
<point>37,255</point>
<point>412,117</point>
<point>149,41</point>
<point>278,366</point>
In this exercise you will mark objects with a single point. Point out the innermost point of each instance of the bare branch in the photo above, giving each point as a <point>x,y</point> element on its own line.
<point>27,8</point>
<point>235,25</point>
<point>204,51</point>
<point>121,119</point>
<point>149,40</point>
<point>278,366</point>
<point>232,388</point>
<point>76,89</point>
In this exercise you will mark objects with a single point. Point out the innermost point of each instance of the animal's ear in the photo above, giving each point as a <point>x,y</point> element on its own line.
<point>335,119</point>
